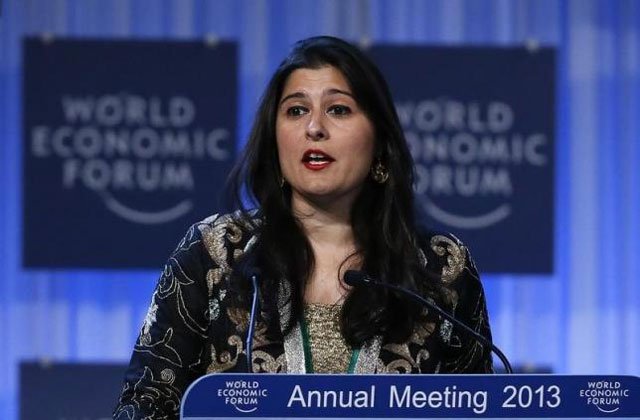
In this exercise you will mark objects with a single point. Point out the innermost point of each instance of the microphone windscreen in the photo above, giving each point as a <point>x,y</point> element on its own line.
<point>354,278</point>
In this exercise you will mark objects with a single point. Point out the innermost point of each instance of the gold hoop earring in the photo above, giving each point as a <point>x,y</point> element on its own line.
<point>379,172</point>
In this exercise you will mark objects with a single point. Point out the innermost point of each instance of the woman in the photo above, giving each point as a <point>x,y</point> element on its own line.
<point>329,171</point>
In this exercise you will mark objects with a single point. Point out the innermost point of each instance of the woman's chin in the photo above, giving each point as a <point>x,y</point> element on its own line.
<point>326,196</point>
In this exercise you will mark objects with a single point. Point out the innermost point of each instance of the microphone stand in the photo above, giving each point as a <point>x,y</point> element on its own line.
<point>252,321</point>
<point>355,278</point>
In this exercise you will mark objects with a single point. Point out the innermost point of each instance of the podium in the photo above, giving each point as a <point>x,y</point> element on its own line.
<point>226,396</point>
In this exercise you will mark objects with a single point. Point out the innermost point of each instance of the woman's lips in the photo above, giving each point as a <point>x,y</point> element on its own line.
<point>316,160</point>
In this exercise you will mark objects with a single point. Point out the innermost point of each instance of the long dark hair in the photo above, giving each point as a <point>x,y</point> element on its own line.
<point>382,216</point>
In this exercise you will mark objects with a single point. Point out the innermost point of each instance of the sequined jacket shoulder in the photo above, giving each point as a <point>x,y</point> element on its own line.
<point>192,328</point>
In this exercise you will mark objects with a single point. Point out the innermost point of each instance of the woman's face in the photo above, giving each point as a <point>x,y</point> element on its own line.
<point>325,141</point>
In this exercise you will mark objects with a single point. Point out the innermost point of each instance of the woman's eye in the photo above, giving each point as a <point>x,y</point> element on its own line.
<point>339,110</point>
<point>296,111</point>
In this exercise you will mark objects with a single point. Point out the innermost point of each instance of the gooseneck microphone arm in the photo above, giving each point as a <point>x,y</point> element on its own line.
<point>252,318</point>
<point>359,278</point>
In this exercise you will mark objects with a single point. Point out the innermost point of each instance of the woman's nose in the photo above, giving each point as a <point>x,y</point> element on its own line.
<point>315,128</point>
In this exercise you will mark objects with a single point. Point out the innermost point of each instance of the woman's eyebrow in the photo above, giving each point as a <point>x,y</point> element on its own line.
<point>297,95</point>
<point>300,95</point>
<point>335,91</point>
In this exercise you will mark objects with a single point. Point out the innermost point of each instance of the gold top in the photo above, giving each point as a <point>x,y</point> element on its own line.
<point>329,352</point>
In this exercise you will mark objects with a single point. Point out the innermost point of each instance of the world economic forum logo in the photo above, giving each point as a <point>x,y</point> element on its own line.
<point>606,396</point>
<point>136,153</point>
<point>243,396</point>
<point>468,156</point>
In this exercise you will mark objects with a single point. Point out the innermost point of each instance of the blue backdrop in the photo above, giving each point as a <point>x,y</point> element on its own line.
<point>123,145</point>
<point>467,113</point>
<point>582,319</point>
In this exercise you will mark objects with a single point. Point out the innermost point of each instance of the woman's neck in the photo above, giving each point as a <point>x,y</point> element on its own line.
<point>328,229</point>
<point>324,223</point>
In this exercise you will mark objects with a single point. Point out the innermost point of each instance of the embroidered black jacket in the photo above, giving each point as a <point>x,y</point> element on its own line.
<point>191,329</point>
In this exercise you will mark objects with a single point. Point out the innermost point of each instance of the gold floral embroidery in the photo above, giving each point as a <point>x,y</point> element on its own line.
<point>214,240</point>
<point>221,364</point>
<point>234,234</point>
<point>239,317</point>
<point>398,366</point>
<point>407,362</point>
<point>224,361</point>
<point>421,356</point>
<point>422,332</point>
<point>236,342</point>
<point>264,362</point>
<point>456,255</point>
<point>213,278</point>
<point>260,335</point>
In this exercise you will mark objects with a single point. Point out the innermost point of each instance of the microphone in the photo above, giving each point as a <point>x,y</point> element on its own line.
<point>359,278</point>
<point>254,274</point>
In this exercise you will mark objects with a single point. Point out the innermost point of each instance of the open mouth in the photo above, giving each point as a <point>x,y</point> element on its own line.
<point>316,159</point>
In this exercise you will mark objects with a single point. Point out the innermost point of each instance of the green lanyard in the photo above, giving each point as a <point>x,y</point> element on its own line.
<point>306,345</point>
